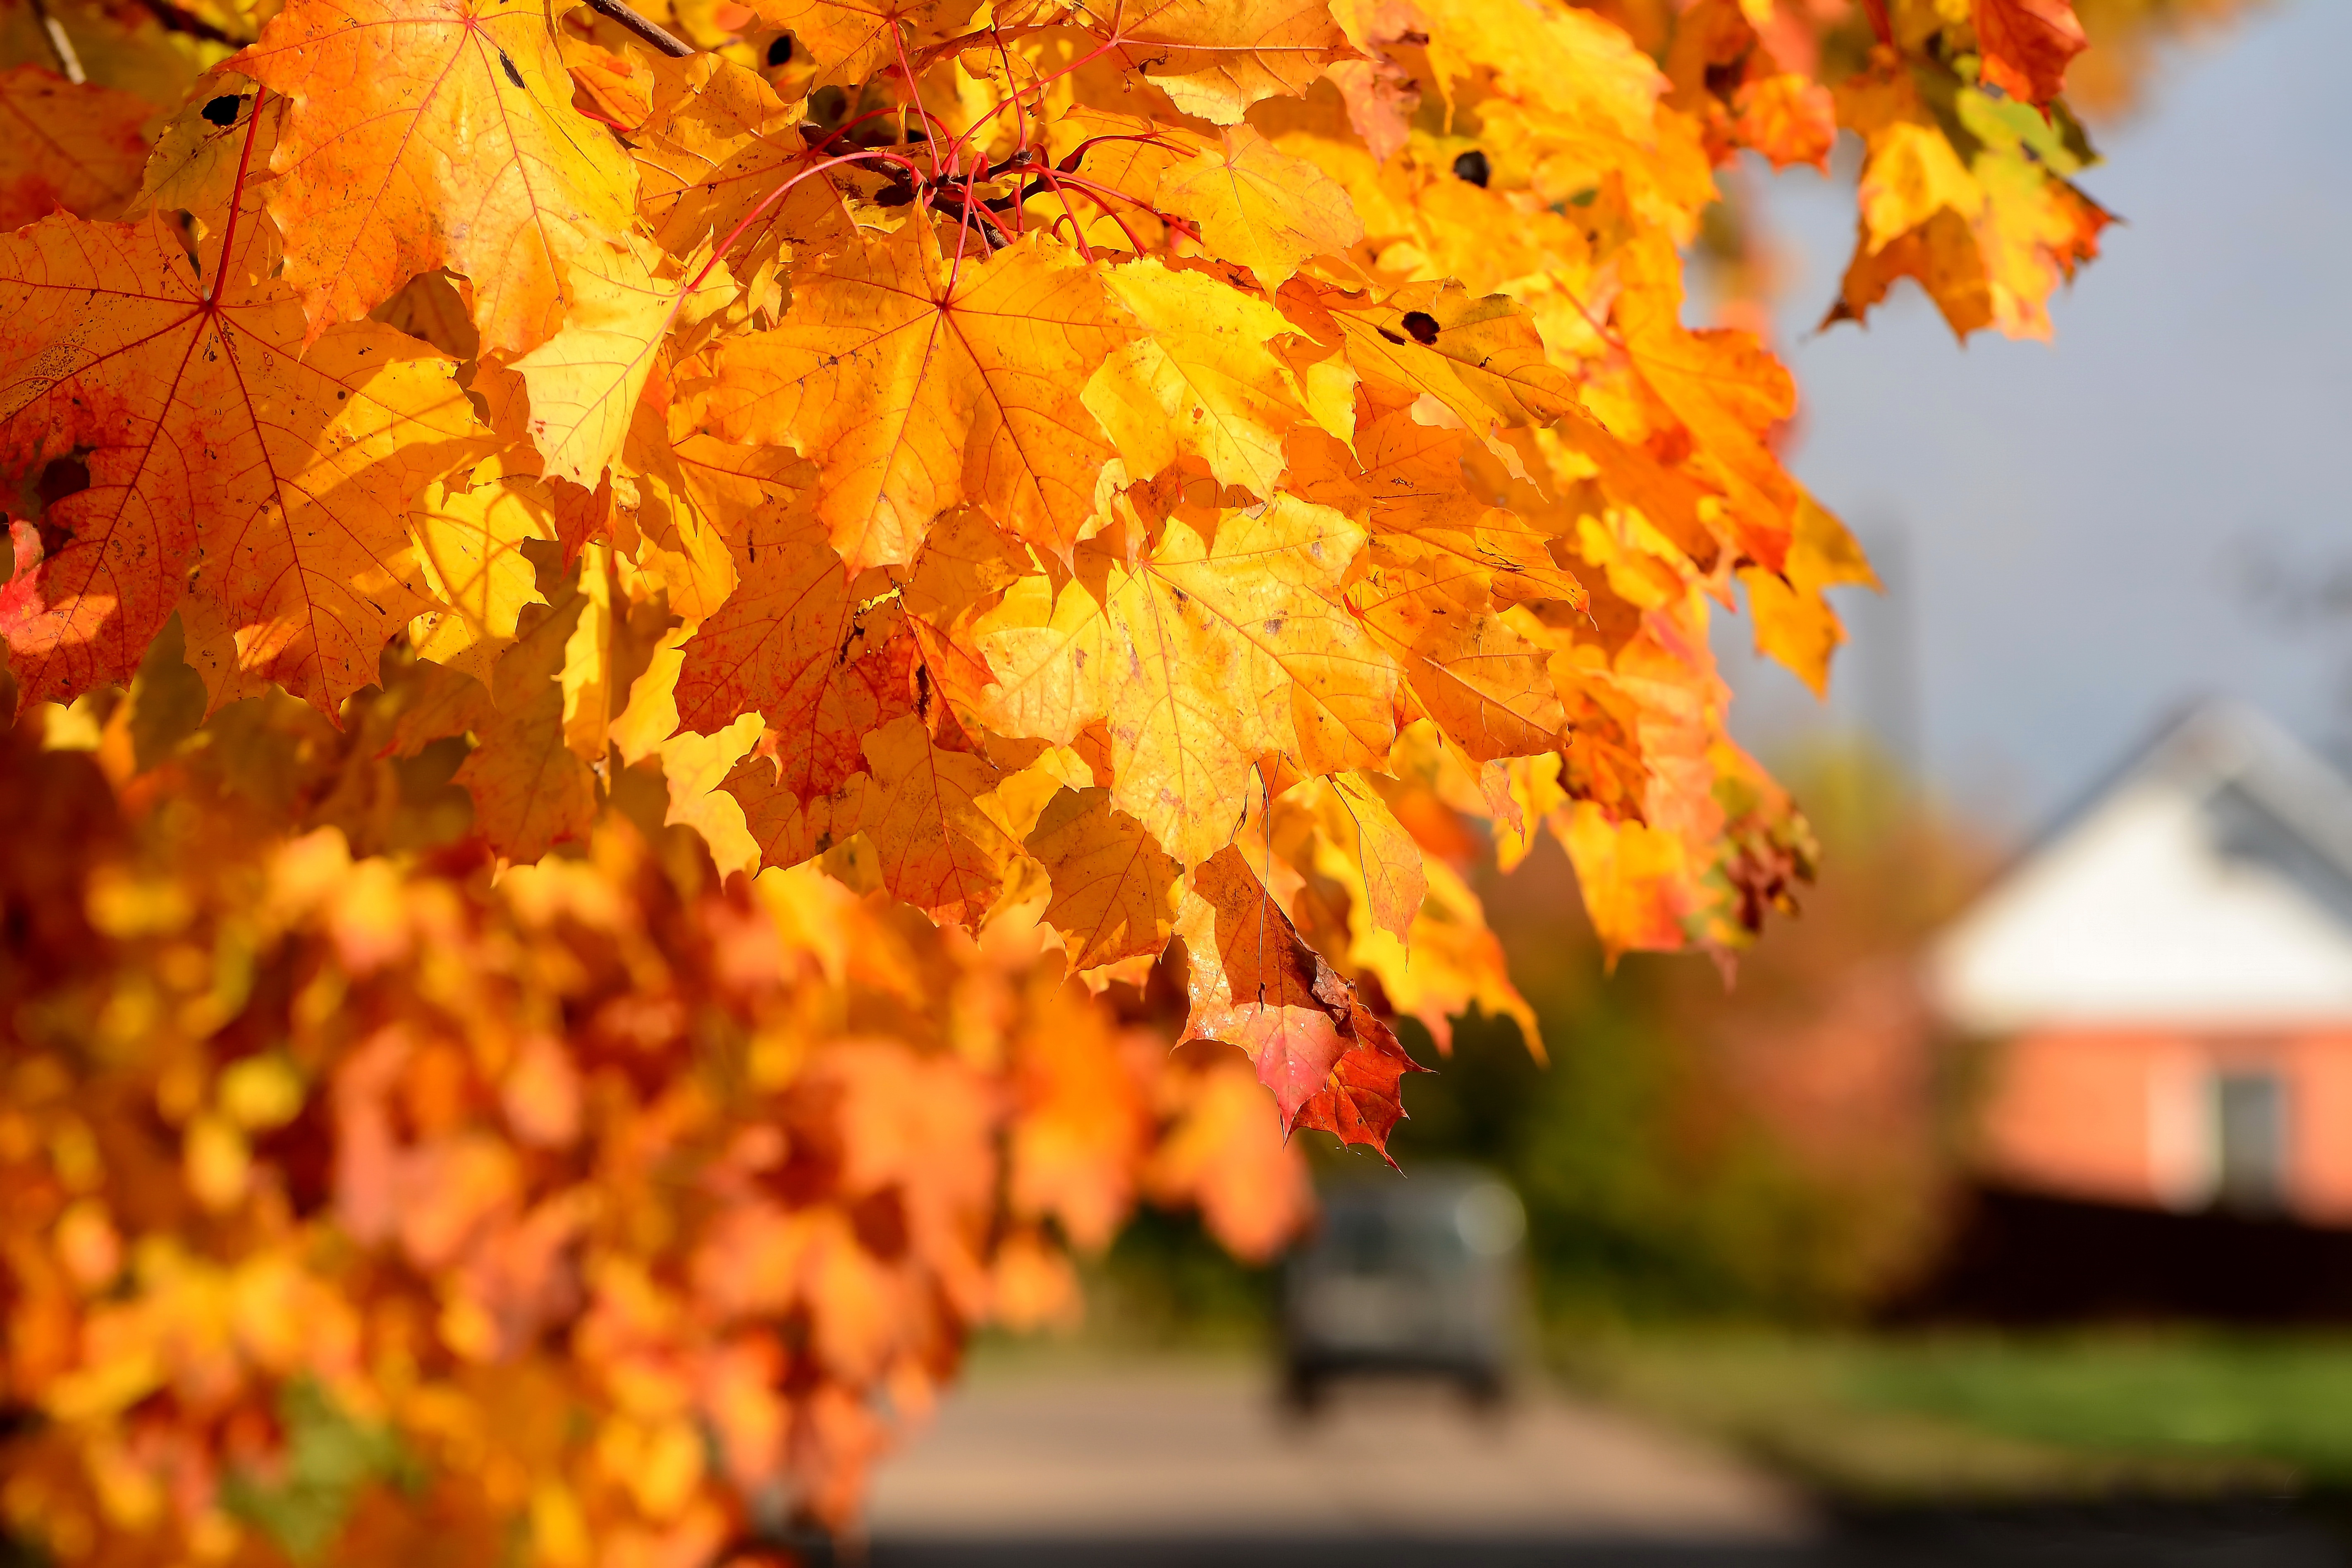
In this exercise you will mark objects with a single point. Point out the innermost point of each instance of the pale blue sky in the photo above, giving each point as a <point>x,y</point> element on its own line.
<point>2073,518</point>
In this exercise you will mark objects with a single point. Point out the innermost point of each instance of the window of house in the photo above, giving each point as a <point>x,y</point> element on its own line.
<point>2249,1112</point>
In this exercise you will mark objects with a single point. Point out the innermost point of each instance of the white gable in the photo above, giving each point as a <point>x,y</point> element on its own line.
<point>2210,888</point>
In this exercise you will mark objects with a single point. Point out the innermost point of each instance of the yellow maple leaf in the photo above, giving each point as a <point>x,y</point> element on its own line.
<point>469,540</point>
<point>623,628</point>
<point>1200,380</point>
<point>717,142</point>
<point>1049,661</point>
<point>1380,857</point>
<point>530,790</point>
<point>1261,207</point>
<point>1223,651</point>
<point>1794,623</point>
<point>1912,174</point>
<point>694,497</point>
<point>1114,889</point>
<point>1486,687</point>
<point>1483,359</point>
<point>209,146</point>
<point>1634,878</point>
<point>1213,58</point>
<point>1413,482</point>
<point>851,40</point>
<point>585,381</point>
<point>1725,387</point>
<point>1566,61</point>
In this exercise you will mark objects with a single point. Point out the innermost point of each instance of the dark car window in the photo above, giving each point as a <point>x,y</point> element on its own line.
<point>1359,1241</point>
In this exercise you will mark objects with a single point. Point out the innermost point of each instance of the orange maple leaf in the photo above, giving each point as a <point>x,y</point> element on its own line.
<point>208,443</point>
<point>1114,888</point>
<point>714,147</point>
<point>1231,640</point>
<point>917,383</point>
<point>2028,45</point>
<point>530,790</point>
<point>795,645</point>
<point>928,810</point>
<point>1329,1062</point>
<point>76,146</point>
<point>851,40</point>
<point>428,133</point>
<point>1213,58</point>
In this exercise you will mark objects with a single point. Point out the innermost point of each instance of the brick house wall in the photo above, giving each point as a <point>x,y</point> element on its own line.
<point>2136,1115</point>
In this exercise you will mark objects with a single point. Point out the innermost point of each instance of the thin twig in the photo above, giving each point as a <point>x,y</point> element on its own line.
<point>771,199</point>
<point>1019,128</point>
<point>915,92</point>
<point>644,28</point>
<point>69,62</point>
<point>1036,87</point>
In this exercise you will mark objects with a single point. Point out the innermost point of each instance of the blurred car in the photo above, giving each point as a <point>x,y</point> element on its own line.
<point>1416,1275</point>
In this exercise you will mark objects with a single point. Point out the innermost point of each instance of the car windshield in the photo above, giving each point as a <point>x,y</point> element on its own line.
<point>1388,1239</point>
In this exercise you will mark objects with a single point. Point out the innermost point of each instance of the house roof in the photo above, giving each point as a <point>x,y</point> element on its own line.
<point>2207,884</point>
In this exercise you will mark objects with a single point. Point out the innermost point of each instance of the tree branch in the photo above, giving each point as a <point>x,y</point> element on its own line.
<point>69,62</point>
<point>644,28</point>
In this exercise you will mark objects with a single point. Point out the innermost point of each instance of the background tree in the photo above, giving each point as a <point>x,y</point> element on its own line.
<point>1787,1149</point>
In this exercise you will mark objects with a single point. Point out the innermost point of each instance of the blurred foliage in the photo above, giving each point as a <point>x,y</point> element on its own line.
<point>1773,1143</point>
<point>357,1203</point>
<point>1629,1212</point>
<point>1168,1282</point>
<point>329,1460</point>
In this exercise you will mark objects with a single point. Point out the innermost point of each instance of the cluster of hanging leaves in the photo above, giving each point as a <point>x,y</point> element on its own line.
<point>1091,506</point>
<point>1968,153</point>
<point>352,1202</point>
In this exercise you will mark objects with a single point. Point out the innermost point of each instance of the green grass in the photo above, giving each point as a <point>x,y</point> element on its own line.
<point>1976,1416</point>
<point>2287,1400</point>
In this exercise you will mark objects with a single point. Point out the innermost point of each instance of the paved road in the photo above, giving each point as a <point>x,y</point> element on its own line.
<point>1171,1453</point>
<point>1194,1466</point>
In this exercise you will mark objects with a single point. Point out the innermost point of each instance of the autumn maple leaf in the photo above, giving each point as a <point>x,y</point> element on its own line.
<point>717,145</point>
<point>72,146</point>
<point>424,133</point>
<point>796,645</point>
<point>530,790</point>
<point>1255,984</point>
<point>2028,44</point>
<point>1260,208</point>
<point>1114,888</point>
<point>223,462</point>
<point>918,382</point>
<point>1203,657</point>
<point>1213,58</point>
<point>1202,378</point>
